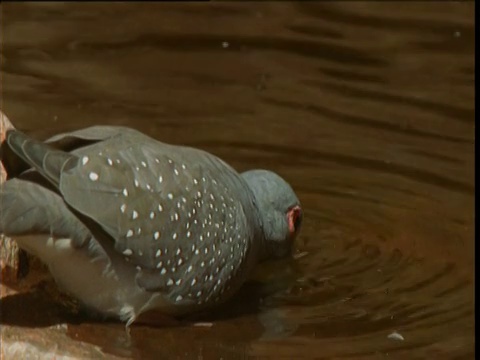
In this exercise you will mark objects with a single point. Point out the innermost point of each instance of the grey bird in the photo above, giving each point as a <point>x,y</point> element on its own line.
<point>127,224</point>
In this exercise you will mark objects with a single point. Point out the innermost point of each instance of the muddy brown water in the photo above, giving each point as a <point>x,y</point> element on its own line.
<point>367,109</point>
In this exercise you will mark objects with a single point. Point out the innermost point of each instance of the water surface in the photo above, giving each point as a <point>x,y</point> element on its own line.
<point>367,109</point>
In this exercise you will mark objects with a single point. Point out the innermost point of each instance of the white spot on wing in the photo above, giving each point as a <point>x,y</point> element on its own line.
<point>93,176</point>
<point>85,160</point>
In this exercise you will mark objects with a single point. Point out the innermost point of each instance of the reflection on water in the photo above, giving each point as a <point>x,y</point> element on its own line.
<point>366,108</point>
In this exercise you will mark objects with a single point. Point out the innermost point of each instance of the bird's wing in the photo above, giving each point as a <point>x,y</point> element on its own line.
<point>155,201</point>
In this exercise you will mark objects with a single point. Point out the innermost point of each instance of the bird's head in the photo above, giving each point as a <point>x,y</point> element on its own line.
<point>279,209</point>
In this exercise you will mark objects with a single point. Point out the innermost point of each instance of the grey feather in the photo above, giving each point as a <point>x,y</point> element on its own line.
<point>167,227</point>
<point>46,160</point>
<point>28,208</point>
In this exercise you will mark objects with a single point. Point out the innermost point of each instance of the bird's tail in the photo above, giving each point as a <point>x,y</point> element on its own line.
<point>48,161</point>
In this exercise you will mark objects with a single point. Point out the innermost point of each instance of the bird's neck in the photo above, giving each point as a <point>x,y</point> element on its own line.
<point>259,215</point>
<point>259,226</point>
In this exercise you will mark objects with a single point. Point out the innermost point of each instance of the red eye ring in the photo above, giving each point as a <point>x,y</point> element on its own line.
<point>294,216</point>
